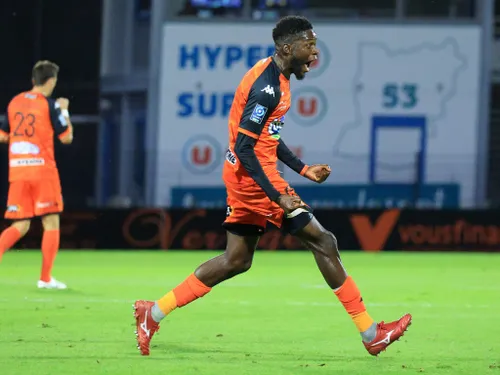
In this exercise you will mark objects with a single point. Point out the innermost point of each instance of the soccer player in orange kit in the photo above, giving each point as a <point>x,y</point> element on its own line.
<point>257,194</point>
<point>33,119</point>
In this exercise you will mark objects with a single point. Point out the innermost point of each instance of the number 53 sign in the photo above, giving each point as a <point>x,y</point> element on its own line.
<point>400,95</point>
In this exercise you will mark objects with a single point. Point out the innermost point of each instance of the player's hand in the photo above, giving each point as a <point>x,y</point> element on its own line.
<point>318,173</point>
<point>289,203</point>
<point>63,103</point>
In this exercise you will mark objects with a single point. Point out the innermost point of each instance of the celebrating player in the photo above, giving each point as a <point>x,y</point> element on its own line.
<point>35,189</point>
<point>257,194</point>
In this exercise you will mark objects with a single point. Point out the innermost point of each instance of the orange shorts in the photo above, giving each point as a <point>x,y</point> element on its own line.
<point>33,198</point>
<point>251,206</point>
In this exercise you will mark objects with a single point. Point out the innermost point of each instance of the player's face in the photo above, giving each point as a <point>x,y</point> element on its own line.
<point>304,53</point>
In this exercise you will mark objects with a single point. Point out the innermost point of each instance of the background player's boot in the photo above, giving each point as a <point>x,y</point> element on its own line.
<point>146,327</point>
<point>387,333</point>
<point>52,284</point>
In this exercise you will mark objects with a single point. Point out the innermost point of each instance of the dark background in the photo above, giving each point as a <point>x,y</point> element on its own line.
<point>67,33</point>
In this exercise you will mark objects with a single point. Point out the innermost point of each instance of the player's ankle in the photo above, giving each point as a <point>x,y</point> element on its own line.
<point>156,313</point>
<point>370,334</point>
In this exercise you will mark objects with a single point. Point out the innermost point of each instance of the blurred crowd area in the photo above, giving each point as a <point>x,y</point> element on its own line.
<point>270,9</point>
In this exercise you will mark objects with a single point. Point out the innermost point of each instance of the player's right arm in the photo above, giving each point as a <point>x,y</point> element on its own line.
<point>59,117</point>
<point>259,107</point>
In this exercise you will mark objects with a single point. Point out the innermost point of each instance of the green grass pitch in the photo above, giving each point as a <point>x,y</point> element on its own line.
<point>279,318</point>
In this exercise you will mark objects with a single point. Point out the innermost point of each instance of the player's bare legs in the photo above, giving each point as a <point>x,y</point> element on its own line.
<point>13,234</point>
<point>376,337</point>
<point>236,259</point>
<point>50,247</point>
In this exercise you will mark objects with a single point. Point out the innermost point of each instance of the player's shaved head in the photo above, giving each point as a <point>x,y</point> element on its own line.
<point>290,28</point>
<point>43,71</point>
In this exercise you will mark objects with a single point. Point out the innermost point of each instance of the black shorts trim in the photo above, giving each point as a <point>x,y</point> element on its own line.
<point>294,224</point>
<point>244,230</point>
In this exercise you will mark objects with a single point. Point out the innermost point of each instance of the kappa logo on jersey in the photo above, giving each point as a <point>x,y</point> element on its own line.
<point>268,90</point>
<point>275,127</point>
<point>309,106</point>
<point>258,114</point>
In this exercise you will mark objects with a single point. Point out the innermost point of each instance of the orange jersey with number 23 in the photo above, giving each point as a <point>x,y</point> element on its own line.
<point>32,122</point>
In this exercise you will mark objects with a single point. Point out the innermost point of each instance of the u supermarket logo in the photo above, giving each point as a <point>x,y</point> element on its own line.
<point>202,154</point>
<point>321,64</point>
<point>309,106</point>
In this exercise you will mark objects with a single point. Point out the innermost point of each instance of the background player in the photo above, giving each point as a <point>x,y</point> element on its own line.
<point>257,194</point>
<point>33,118</point>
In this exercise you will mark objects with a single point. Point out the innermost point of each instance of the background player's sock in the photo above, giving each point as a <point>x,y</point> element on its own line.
<point>8,239</point>
<point>50,246</point>
<point>350,296</point>
<point>186,292</point>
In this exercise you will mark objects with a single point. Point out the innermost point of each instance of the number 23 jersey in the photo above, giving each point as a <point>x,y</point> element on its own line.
<point>32,122</point>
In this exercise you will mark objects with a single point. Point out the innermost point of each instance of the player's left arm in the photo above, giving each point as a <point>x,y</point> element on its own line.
<point>59,117</point>
<point>5,130</point>
<point>290,159</point>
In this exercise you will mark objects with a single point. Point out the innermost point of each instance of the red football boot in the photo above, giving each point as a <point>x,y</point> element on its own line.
<point>387,333</point>
<point>146,327</point>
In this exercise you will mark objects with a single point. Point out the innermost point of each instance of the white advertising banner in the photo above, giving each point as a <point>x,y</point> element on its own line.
<point>384,104</point>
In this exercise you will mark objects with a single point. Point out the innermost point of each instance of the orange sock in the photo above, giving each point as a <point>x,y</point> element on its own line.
<point>50,247</point>
<point>186,292</point>
<point>8,239</point>
<point>350,296</point>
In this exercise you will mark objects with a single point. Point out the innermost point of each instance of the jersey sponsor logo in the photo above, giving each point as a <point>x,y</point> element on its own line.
<point>258,114</point>
<point>275,127</point>
<point>268,90</point>
<point>230,157</point>
<point>45,204</point>
<point>27,162</point>
<point>202,154</point>
<point>309,106</point>
<point>13,208</point>
<point>24,148</point>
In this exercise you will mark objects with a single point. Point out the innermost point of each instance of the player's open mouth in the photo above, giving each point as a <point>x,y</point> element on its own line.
<point>307,65</point>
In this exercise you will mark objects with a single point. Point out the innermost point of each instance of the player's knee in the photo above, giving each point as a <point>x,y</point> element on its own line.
<point>330,239</point>
<point>23,226</point>
<point>327,242</point>
<point>238,265</point>
<point>50,222</point>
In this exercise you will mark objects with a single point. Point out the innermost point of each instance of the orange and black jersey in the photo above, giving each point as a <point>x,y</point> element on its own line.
<point>32,121</point>
<point>255,121</point>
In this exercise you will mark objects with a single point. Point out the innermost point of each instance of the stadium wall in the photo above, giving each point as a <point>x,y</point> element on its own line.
<point>200,229</point>
<point>385,104</point>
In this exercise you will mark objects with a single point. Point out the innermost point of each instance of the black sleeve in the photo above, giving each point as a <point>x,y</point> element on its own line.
<point>246,154</point>
<point>262,101</point>
<point>57,119</point>
<point>4,126</point>
<point>289,158</point>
